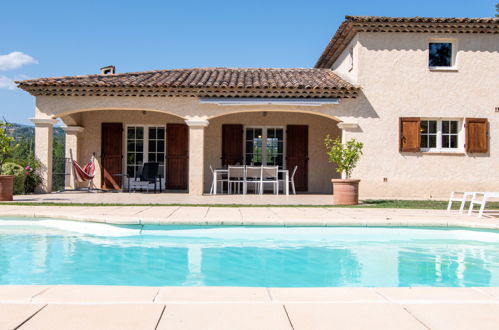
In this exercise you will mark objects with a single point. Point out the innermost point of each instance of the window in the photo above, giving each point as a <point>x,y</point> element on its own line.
<point>264,146</point>
<point>439,135</point>
<point>441,54</point>
<point>470,135</point>
<point>144,144</point>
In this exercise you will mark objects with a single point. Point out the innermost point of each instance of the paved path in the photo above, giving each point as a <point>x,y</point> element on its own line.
<point>94,307</point>
<point>288,216</point>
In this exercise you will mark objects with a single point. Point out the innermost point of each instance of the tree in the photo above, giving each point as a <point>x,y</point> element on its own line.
<point>497,9</point>
<point>5,143</point>
<point>345,156</point>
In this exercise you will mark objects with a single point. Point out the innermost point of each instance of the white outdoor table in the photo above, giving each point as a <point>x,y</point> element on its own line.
<point>220,171</point>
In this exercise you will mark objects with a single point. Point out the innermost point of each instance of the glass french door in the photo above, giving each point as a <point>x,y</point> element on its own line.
<point>145,144</point>
<point>264,146</point>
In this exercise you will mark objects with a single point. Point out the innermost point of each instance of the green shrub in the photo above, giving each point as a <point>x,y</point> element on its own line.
<point>18,172</point>
<point>345,156</point>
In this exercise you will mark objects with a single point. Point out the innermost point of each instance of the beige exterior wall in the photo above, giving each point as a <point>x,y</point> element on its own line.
<point>396,82</point>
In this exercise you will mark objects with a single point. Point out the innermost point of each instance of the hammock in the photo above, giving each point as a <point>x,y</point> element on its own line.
<point>87,173</point>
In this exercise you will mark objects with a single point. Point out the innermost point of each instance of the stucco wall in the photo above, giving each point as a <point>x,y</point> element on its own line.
<point>320,171</point>
<point>396,82</point>
<point>347,64</point>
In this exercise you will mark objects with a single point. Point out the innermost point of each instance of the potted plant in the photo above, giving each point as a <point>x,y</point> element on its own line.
<point>6,181</point>
<point>345,156</point>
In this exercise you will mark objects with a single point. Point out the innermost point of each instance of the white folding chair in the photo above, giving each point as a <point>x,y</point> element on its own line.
<point>236,175</point>
<point>254,176</point>
<point>270,174</point>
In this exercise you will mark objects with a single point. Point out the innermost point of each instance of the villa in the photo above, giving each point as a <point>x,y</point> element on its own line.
<point>422,94</point>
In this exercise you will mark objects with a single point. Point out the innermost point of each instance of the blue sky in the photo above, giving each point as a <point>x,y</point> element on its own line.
<point>59,38</point>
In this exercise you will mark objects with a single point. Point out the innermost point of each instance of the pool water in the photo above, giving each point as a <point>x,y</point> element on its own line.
<point>64,252</point>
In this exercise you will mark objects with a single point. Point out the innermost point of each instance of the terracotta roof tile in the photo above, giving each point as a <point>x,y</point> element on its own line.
<point>354,24</point>
<point>202,82</point>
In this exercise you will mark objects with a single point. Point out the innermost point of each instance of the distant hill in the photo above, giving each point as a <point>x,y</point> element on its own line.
<point>20,131</point>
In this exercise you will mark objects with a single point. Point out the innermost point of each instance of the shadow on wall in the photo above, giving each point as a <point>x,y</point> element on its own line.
<point>419,41</point>
<point>359,107</point>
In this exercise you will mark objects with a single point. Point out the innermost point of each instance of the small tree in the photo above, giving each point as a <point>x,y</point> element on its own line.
<point>5,143</point>
<point>345,156</point>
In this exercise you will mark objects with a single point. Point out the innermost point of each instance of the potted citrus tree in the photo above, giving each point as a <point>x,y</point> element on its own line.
<point>6,181</point>
<point>345,156</point>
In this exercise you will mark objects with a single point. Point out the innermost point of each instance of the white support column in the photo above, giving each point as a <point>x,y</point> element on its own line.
<point>196,155</point>
<point>44,128</point>
<point>71,151</point>
<point>346,127</point>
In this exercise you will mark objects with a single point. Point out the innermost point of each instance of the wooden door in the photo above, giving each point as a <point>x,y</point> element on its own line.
<point>112,155</point>
<point>297,154</point>
<point>232,144</point>
<point>177,156</point>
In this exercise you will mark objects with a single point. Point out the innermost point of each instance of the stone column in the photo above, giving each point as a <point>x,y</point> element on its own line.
<point>196,156</point>
<point>44,128</point>
<point>347,127</point>
<point>71,151</point>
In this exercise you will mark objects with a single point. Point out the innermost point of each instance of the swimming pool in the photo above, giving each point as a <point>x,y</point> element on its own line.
<point>49,251</point>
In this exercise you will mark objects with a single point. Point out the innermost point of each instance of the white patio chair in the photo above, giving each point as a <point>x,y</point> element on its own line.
<point>292,179</point>
<point>254,176</point>
<point>482,202</point>
<point>270,174</point>
<point>236,175</point>
<point>217,178</point>
<point>463,199</point>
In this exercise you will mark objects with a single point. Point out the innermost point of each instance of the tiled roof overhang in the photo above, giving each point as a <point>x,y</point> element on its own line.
<point>200,82</point>
<point>354,24</point>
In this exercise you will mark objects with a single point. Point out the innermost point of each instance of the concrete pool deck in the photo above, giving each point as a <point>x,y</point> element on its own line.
<point>279,216</point>
<point>114,307</point>
<point>105,307</point>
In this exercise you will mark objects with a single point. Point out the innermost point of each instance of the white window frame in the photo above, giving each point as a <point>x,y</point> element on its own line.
<point>264,145</point>
<point>453,60</point>
<point>460,136</point>
<point>145,149</point>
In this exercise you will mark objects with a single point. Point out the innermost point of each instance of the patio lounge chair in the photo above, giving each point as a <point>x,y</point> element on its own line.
<point>463,199</point>
<point>482,202</point>
<point>149,174</point>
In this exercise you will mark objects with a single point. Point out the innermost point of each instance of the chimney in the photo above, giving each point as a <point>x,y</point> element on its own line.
<point>110,69</point>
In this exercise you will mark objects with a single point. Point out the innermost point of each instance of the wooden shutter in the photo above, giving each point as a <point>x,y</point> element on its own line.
<point>177,156</point>
<point>112,155</point>
<point>476,135</point>
<point>297,154</point>
<point>232,144</point>
<point>410,137</point>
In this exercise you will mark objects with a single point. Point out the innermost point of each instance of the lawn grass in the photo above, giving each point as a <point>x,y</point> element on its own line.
<point>369,203</point>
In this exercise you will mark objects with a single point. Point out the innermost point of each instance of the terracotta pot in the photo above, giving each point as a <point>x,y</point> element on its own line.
<point>345,191</point>
<point>6,187</point>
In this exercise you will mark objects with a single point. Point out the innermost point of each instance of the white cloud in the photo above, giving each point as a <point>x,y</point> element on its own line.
<point>15,60</point>
<point>6,82</point>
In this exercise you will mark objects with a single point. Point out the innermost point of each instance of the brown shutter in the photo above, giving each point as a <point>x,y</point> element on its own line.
<point>476,135</point>
<point>410,137</point>
<point>297,154</point>
<point>232,144</point>
<point>112,155</point>
<point>177,156</point>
